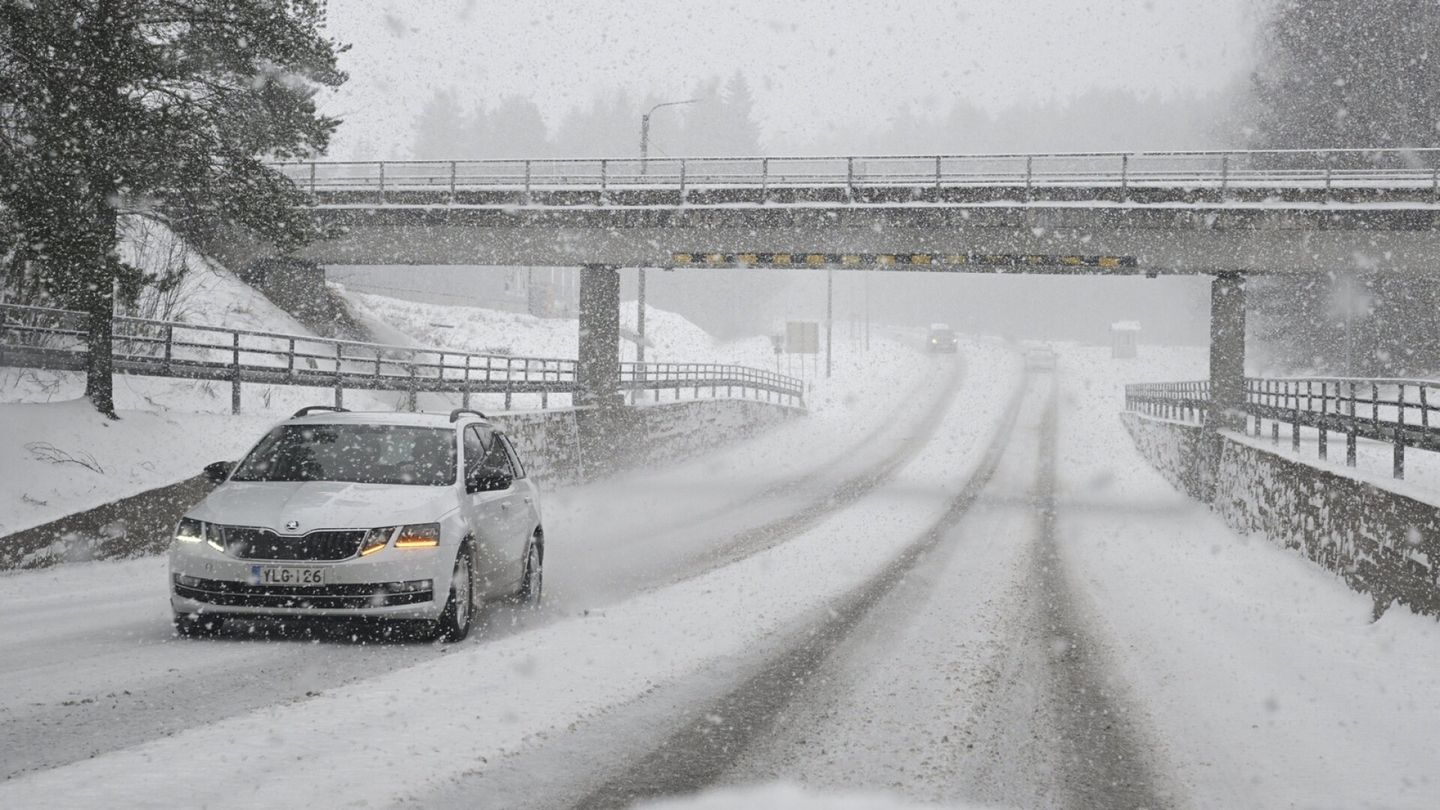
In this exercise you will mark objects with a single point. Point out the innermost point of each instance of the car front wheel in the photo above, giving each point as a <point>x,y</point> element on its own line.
<point>454,623</point>
<point>532,584</point>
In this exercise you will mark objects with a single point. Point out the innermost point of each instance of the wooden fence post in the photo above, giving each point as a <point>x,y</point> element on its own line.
<point>339,385</point>
<point>235,373</point>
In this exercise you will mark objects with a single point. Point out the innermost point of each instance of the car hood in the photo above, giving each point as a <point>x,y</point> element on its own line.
<point>323,505</point>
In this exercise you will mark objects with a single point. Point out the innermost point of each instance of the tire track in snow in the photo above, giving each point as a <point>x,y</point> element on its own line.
<point>1101,763</point>
<point>799,480</point>
<point>705,749</point>
<point>758,539</point>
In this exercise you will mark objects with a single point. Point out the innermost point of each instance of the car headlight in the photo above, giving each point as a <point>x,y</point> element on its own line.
<point>418,535</point>
<point>376,540</point>
<point>190,530</point>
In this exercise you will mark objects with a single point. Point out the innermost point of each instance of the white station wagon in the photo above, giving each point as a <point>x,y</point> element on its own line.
<point>413,516</point>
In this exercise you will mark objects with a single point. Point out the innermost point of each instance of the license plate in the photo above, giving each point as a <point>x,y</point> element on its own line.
<point>286,575</point>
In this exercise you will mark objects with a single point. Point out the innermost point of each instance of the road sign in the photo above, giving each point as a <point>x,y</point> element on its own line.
<point>802,337</point>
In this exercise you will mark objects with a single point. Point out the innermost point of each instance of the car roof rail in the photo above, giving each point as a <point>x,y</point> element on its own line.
<point>309,409</point>
<point>455,414</point>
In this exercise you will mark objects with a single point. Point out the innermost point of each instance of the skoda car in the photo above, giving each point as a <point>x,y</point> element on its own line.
<point>415,517</point>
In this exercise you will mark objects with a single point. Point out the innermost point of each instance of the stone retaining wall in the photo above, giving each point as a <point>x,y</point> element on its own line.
<point>1381,543</point>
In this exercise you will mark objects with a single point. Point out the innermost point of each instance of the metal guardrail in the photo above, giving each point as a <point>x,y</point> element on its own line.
<point>1400,412</point>
<point>39,337</point>
<point>1322,170</point>
<point>662,376</point>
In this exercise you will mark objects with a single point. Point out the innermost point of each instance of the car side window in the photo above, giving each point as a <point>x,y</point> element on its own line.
<point>514,456</point>
<point>497,460</point>
<point>477,445</point>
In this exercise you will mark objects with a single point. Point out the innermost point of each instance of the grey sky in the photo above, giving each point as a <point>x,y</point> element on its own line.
<point>815,64</point>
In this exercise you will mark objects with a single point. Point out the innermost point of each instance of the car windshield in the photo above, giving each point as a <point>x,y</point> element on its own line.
<point>363,454</point>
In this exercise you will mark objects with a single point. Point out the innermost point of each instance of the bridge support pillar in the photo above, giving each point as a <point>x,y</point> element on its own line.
<point>597,371</point>
<point>1227,352</point>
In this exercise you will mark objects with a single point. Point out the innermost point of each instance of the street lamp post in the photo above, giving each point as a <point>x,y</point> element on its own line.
<point>645,129</point>
<point>640,273</point>
<point>867,312</point>
<point>829,316</point>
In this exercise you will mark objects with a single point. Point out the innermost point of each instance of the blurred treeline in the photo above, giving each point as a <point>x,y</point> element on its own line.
<point>720,122</point>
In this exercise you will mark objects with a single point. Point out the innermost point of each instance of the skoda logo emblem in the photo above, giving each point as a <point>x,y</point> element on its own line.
<point>292,525</point>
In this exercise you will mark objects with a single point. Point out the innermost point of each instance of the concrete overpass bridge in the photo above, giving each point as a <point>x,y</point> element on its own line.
<point>1223,214</point>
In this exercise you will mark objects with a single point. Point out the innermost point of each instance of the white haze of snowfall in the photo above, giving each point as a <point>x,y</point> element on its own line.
<point>1161,582</point>
<point>1241,673</point>
<point>828,77</point>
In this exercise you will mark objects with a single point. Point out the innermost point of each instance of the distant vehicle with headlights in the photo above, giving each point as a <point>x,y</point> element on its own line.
<point>942,339</point>
<point>410,517</point>
<point>1040,359</point>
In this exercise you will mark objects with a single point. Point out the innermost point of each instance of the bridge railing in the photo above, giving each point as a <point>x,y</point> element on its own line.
<point>699,376</point>
<point>1219,170</point>
<point>1399,412</point>
<point>39,337</point>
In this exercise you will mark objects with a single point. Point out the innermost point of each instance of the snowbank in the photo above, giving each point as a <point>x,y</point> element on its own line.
<point>476,329</point>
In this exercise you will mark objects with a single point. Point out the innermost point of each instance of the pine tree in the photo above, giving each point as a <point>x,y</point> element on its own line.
<point>517,130</point>
<point>744,134</point>
<point>705,120</point>
<point>168,105</point>
<point>439,130</point>
<point>1336,73</point>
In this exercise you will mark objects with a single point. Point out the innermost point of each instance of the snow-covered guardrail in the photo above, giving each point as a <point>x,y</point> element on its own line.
<point>1395,411</point>
<point>699,376</point>
<point>1271,171</point>
<point>38,337</point>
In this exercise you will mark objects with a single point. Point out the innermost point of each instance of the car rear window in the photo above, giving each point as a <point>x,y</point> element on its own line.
<point>362,454</point>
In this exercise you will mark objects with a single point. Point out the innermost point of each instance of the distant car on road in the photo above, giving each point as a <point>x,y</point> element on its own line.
<point>1039,359</point>
<point>942,339</point>
<point>412,517</point>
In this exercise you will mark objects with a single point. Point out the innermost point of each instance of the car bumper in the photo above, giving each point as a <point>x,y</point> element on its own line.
<point>396,584</point>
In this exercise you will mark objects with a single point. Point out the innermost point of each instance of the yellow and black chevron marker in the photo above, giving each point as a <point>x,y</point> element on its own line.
<point>933,262</point>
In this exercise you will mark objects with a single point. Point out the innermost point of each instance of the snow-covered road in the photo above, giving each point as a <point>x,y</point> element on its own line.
<point>863,600</point>
<point>89,646</point>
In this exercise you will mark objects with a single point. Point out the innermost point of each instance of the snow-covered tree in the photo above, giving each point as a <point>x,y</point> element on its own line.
<point>742,131</point>
<point>439,129</point>
<point>1336,73</point>
<point>517,130</point>
<point>170,105</point>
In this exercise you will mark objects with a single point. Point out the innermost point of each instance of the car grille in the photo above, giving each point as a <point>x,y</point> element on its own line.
<point>263,544</point>
<point>344,597</point>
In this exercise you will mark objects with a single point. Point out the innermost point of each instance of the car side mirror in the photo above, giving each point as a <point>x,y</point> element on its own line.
<point>488,481</point>
<point>217,472</point>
